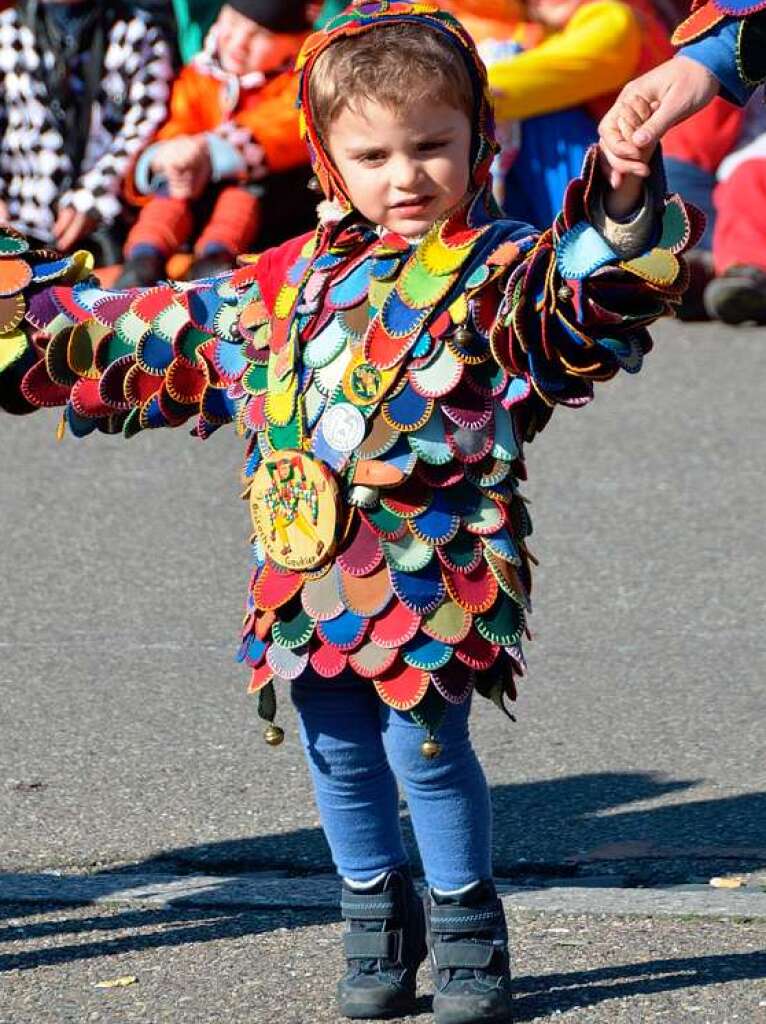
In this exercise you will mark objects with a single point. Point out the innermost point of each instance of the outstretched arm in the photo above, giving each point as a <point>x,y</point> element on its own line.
<point>718,53</point>
<point>120,360</point>
<point>577,305</point>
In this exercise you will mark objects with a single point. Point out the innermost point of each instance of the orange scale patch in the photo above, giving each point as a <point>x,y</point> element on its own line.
<point>366,595</point>
<point>273,588</point>
<point>15,275</point>
<point>260,676</point>
<point>402,687</point>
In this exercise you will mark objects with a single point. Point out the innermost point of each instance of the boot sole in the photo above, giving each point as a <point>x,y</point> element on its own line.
<point>458,1010</point>
<point>367,1006</point>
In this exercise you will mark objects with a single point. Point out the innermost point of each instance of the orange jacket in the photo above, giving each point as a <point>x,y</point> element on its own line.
<point>198,104</point>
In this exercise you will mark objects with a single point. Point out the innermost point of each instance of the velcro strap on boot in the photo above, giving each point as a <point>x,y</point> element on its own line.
<point>454,919</point>
<point>473,955</point>
<point>374,945</point>
<point>365,906</point>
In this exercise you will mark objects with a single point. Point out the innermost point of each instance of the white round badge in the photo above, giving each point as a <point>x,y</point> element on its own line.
<point>343,427</point>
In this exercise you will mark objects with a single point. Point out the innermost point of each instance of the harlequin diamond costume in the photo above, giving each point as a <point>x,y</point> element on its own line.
<point>386,388</point>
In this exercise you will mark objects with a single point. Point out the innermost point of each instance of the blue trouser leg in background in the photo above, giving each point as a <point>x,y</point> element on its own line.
<point>553,147</point>
<point>356,748</point>
<point>696,185</point>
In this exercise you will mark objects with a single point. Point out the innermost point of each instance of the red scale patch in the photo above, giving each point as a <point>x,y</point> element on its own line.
<point>395,627</point>
<point>273,588</point>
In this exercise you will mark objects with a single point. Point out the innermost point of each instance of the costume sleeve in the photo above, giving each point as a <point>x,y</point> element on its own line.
<point>574,312</point>
<point>596,53</point>
<point>125,361</point>
<point>147,71</point>
<point>738,70</point>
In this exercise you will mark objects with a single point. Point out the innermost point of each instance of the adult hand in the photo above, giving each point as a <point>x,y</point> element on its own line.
<point>674,90</point>
<point>3,213</point>
<point>71,226</point>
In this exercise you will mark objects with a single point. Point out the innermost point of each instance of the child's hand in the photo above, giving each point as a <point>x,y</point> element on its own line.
<point>3,212</point>
<point>71,226</point>
<point>627,188</point>
<point>185,162</point>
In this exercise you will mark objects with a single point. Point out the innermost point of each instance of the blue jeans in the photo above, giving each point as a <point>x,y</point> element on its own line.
<point>357,747</point>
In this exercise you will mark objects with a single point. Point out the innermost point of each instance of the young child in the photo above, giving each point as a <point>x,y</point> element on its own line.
<point>387,370</point>
<point>84,86</point>
<point>229,166</point>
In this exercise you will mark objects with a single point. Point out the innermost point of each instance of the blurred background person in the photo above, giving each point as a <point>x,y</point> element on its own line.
<point>228,171</point>
<point>554,67</point>
<point>717,160</point>
<point>84,85</point>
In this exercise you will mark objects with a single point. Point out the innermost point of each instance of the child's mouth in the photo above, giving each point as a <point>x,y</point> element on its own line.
<point>412,207</point>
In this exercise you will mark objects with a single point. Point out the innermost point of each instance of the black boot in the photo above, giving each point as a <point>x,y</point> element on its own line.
<point>469,955</point>
<point>385,944</point>
<point>738,296</point>
<point>141,271</point>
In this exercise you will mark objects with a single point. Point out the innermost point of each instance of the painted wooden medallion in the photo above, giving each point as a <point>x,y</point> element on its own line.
<point>294,508</point>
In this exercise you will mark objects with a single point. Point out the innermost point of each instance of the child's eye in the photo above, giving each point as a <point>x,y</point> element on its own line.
<point>432,145</point>
<point>373,157</point>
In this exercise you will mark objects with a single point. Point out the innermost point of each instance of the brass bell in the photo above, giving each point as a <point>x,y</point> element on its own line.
<point>463,335</point>
<point>274,735</point>
<point>430,748</point>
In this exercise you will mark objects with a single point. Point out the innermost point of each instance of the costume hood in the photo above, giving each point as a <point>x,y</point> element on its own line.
<point>365,17</point>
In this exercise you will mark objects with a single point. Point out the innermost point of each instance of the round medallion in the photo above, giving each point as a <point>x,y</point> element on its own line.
<point>363,383</point>
<point>294,508</point>
<point>343,427</point>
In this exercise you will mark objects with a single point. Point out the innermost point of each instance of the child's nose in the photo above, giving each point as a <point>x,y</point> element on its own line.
<point>406,173</point>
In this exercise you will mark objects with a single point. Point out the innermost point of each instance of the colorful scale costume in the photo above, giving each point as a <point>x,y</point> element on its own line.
<point>385,388</point>
<point>751,32</point>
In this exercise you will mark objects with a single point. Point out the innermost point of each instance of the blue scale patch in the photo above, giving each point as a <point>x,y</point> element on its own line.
<point>384,268</point>
<point>343,632</point>
<point>439,523</point>
<point>203,306</point>
<point>422,346</point>
<point>627,352</point>
<point>51,269</point>
<point>425,653</point>
<point>252,462</point>
<point>406,410</point>
<point>504,546</point>
<point>79,425</point>
<point>229,358</point>
<point>400,456</point>
<point>154,352</point>
<point>582,250</point>
<point>421,591</point>
<point>352,289</point>
<point>217,406</point>
<point>151,414</point>
<point>400,320</point>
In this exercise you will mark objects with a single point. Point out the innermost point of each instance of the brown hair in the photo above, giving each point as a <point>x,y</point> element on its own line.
<point>396,66</point>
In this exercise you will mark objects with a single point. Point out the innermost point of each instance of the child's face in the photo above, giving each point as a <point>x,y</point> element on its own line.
<point>245,46</point>
<point>402,170</point>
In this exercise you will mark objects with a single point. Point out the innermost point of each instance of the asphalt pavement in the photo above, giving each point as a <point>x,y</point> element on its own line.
<point>127,739</point>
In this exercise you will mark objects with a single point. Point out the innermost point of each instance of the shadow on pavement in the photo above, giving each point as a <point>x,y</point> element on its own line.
<point>590,808</point>
<point>580,989</point>
<point>539,827</point>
